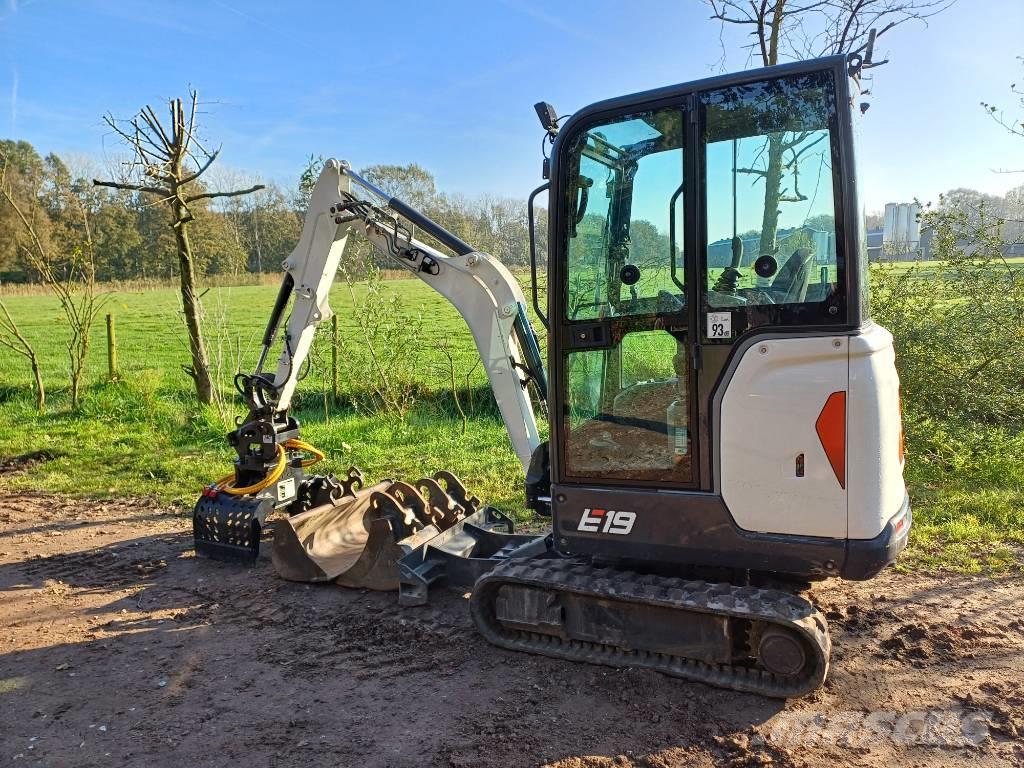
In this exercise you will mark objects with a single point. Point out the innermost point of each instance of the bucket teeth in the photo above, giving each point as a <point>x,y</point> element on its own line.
<point>454,487</point>
<point>353,481</point>
<point>356,535</point>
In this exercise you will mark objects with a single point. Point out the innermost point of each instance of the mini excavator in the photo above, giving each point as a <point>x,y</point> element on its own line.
<point>724,415</point>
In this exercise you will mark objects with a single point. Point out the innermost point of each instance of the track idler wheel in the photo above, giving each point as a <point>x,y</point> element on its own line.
<point>783,652</point>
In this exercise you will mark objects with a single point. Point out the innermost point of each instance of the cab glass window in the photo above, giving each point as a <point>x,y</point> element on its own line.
<point>771,253</point>
<point>624,207</point>
<point>628,410</point>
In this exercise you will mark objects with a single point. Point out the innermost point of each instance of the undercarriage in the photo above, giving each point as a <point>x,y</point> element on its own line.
<point>526,596</point>
<point>745,638</point>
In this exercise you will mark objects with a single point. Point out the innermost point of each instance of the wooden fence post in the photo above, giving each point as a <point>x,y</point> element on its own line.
<point>334,358</point>
<point>111,348</point>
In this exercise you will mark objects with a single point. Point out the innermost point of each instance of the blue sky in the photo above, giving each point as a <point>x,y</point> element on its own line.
<point>451,84</point>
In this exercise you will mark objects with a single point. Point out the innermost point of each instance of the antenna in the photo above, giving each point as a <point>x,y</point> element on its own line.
<point>870,49</point>
<point>868,55</point>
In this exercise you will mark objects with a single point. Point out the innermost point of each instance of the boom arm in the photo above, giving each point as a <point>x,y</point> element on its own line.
<point>483,291</point>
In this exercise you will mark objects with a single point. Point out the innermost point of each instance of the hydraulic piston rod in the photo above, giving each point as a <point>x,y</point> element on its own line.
<point>428,225</point>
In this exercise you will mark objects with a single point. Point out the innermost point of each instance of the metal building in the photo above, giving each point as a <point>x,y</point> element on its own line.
<point>902,230</point>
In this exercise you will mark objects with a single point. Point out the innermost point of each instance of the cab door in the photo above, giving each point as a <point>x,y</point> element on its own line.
<point>625,388</point>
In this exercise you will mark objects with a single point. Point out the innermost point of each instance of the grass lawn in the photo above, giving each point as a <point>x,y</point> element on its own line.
<point>142,435</point>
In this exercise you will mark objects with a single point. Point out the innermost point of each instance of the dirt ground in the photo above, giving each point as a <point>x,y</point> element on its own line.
<point>119,647</point>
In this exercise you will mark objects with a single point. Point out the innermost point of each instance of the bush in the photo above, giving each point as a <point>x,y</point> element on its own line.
<point>958,323</point>
<point>379,360</point>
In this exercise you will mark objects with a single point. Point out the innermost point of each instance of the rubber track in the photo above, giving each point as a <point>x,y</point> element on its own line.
<point>767,605</point>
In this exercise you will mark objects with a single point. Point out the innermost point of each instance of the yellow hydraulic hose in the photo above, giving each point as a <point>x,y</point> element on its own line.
<point>301,445</point>
<point>226,483</point>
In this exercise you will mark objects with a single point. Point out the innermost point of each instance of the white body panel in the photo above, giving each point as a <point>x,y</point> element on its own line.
<point>312,264</point>
<point>768,415</point>
<point>874,467</point>
<point>483,291</point>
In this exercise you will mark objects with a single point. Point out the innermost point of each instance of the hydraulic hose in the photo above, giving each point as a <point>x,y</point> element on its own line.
<point>227,482</point>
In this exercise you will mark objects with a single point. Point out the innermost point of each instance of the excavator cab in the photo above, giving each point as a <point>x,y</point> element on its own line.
<point>719,393</point>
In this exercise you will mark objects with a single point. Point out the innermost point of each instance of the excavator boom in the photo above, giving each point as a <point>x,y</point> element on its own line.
<point>481,288</point>
<point>336,529</point>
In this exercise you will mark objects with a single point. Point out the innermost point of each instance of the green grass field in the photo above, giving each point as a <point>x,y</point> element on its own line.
<point>142,435</point>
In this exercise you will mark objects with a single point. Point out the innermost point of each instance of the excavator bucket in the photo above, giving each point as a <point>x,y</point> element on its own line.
<point>324,542</point>
<point>357,540</point>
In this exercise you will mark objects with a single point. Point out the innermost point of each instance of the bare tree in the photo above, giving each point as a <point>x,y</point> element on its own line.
<point>12,338</point>
<point>167,163</point>
<point>1014,125</point>
<point>70,275</point>
<point>786,30</point>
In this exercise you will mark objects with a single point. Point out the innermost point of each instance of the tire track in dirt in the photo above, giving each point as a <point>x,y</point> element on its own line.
<point>191,661</point>
<point>370,636</point>
<point>97,570</point>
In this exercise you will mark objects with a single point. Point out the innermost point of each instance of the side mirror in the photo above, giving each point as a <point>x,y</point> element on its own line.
<point>548,117</point>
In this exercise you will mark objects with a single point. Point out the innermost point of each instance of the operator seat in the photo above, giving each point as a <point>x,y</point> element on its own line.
<point>790,285</point>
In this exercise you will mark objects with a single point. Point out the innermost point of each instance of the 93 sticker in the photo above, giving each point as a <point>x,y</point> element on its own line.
<point>719,325</point>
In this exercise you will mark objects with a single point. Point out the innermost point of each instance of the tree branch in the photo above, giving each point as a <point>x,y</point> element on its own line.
<point>191,120</point>
<point>163,192</point>
<point>856,9</point>
<point>720,12</point>
<point>796,140</point>
<point>159,152</point>
<point>760,17</point>
<point>201,170</point>
<point>804,29</point>
<point>797,155</point>
<point>10,327</point>
<point>236,193</point>
<point>153,122</point>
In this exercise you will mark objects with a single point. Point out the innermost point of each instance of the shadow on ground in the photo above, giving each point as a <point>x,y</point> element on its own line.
<point>120,647</point>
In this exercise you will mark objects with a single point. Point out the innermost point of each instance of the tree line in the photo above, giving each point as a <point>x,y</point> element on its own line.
<point>133,238</point>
